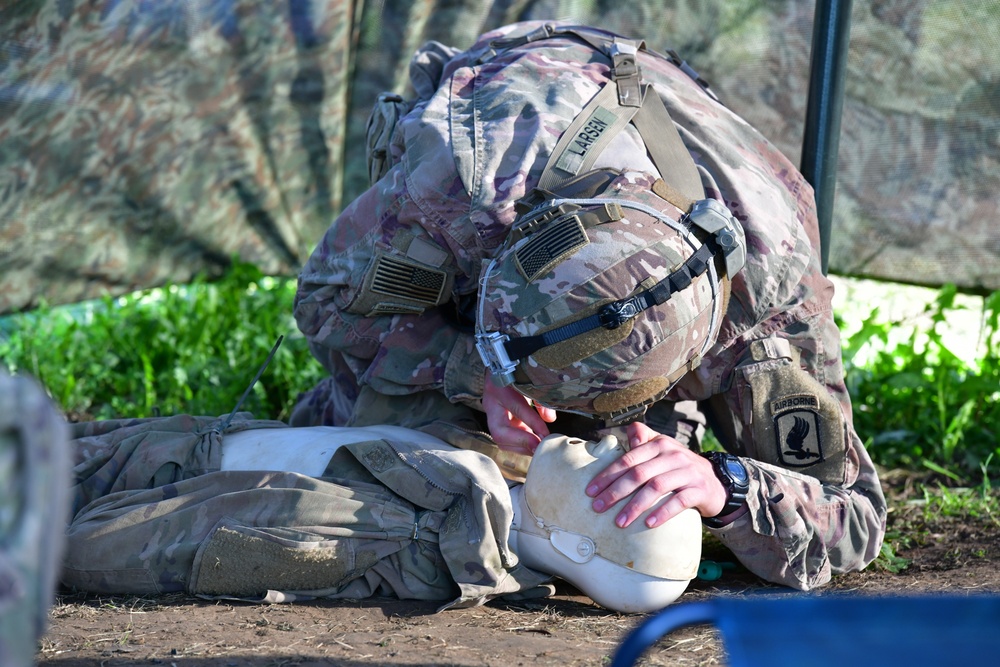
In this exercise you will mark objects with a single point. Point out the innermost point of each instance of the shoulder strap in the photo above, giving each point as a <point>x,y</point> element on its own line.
<point>607,113</point>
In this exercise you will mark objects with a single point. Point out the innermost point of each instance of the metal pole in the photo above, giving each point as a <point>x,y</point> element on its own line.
<point>821,139</point>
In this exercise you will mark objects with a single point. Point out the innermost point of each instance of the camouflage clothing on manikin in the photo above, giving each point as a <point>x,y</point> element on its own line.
<point>153,513</point>
<point>34,502</point>
<point>460,159</point>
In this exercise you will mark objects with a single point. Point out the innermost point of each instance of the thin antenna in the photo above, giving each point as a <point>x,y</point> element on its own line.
<point>225,424</point>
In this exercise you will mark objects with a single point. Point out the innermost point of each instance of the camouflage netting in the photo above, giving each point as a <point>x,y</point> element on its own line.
<point>145,141</point>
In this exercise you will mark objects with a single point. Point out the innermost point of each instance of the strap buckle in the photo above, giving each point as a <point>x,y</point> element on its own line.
<point>715,218</point>
<point>493,352</point>
<point>618,313</point>
<point>625,71</point>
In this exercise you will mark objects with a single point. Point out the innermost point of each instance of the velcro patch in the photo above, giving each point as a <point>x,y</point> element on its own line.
<point>247,562</point>
<point>402,279</point>
<point>553,243</point>
<point>796,423</point>
<point>392,308</point>
<point>395,284</point>
<point>798,438</point>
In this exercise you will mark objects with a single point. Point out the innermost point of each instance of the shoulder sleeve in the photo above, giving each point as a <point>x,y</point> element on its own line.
<point>378,293</point>
<point>777,397</point>
<point>816,505</point>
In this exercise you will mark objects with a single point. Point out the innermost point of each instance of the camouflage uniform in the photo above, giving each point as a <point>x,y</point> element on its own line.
<point>153,513</point>
<point>34,475</point>
<point>476,141</point>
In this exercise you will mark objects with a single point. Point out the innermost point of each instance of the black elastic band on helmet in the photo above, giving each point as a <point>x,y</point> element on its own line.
<point>617,313</point>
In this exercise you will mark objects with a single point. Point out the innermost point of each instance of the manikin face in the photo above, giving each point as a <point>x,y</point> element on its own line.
<point>555,496</point>
<point>594,454</point>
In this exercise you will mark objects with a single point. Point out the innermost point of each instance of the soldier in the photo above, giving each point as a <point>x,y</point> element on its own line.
<point>567,232</point>
<point>34,502</point>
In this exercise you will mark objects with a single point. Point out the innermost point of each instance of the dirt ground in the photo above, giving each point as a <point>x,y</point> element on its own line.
<point>958,555</point>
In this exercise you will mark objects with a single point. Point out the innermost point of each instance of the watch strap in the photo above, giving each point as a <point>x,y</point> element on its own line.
<point>736,492</point>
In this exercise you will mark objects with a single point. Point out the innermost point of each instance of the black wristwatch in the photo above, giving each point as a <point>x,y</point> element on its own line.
<point>735,479</point>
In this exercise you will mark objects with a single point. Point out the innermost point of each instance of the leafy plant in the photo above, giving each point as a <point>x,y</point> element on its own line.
<point>920,404</point>
<point>191,349</point>
<point>888,558</point>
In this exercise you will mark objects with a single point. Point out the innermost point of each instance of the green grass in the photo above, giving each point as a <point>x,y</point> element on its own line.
<point>177,349</point>
<point>194,349</point>
<point>920,404</point>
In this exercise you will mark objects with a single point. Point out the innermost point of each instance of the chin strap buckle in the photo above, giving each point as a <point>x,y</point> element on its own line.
<point>493,351</point>
<point>715,218</point>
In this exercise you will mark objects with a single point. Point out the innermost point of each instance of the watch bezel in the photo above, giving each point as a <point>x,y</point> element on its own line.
<point>736,489</point>
<point>733,463</point>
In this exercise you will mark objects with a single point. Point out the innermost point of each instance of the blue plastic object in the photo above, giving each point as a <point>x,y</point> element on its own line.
<point>835,630</point>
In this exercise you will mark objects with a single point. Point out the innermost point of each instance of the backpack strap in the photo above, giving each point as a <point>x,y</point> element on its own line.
<point>607,114</point>
<point>667,149</point>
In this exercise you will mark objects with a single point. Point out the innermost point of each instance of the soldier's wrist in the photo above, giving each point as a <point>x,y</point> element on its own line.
<point>735,480</point>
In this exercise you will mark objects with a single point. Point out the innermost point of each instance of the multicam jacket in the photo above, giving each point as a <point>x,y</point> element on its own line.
<point>382,300</point>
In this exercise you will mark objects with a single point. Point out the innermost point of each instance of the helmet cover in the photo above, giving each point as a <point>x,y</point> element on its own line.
<point>572,258</point>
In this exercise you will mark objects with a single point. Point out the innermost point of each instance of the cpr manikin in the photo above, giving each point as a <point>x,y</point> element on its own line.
<point>306,450</point>
<point>633,569</point>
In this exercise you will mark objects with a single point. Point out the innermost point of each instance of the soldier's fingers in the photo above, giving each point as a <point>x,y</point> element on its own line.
<point>638,434</point>
<point>625,483</point>
<point>673,505</point>
<point>522,409</point>
<point>509,431</point>
<point>675,491</point>
<point>495,406</point>
<point>510,437</point>
<point>619,467</point>
<point>507,399</point>
<point>548,414</point>
<point>649,495</point>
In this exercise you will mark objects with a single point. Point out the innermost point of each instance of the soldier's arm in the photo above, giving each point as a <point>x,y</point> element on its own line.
<point>815,506</point>
<point>376,290</point>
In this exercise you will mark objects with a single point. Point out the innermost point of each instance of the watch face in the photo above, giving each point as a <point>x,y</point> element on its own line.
<point>737,471</point>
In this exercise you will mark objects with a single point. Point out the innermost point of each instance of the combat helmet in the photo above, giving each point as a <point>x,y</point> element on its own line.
<point>611,286</point>
<point>599,305</point>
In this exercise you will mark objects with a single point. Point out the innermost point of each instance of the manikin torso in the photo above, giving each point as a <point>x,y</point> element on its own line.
<point>555,531</point>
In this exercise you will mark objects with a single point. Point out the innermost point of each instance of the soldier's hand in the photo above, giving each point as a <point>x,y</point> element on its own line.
<point>514,422</point>
<point>654,466</point>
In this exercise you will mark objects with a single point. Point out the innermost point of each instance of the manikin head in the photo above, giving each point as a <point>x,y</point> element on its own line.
<point>632,569</point>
